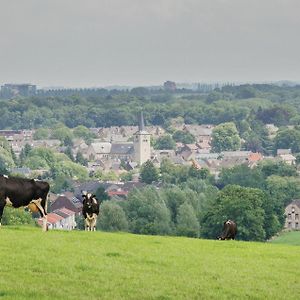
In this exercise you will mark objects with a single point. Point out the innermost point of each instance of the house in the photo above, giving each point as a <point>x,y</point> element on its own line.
<point>54,221</point>
<point>283,151</point>
<point>63,219</point>
<point>23,171</point>
<point>292,213</point>
<point>18,139</point>
<point>200,132</point>
<point>288,158</point>
<point>68,222</point>
<point>124,151</point>
<point>98,150</point>
<point>48,143</point>
<point>188,151</point>
<point>254,158</point>
<point>68,201</point>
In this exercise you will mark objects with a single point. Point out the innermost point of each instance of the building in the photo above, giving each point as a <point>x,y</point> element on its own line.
<point>292,213</point>
<point>13,90</point>
<point>69,201</point>
<point>141,143</point>
<point>170,86</point>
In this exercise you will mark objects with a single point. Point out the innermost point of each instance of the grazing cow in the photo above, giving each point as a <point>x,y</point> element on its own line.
<point>229,230</point>
<point>17,192</point>
<point>90,210</point>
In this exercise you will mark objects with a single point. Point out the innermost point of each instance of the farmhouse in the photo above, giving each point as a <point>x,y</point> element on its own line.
<point>292,213</point>
<point>69,201</point>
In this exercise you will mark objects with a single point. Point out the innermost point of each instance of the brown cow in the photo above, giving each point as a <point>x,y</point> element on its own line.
<point>229,230</point>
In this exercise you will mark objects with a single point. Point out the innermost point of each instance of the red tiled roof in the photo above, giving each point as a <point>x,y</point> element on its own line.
<point>112,193</point>
<point>51,218</point>
<point>254,157</point>
<point>67,211</point>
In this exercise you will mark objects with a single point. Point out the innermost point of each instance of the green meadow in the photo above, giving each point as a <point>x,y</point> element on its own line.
<point>289,238</point>
<point>98,265</point>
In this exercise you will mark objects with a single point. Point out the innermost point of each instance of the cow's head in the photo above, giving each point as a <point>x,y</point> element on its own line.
<point>89,199</point>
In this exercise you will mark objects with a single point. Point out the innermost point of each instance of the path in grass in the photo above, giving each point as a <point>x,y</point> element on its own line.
<point>97,265</point>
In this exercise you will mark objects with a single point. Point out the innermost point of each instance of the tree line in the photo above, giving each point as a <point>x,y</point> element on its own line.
<point>191,202</point>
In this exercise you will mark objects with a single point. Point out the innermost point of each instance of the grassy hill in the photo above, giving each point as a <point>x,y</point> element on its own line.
<point>289,238</point>
<point>97,265</point>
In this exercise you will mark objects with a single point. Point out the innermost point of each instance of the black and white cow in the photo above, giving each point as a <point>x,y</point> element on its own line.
<point>229,230</point>
<point>90,210</point>
<point>17,192</point>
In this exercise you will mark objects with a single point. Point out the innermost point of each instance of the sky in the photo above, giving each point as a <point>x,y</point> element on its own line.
<point>97,43</point>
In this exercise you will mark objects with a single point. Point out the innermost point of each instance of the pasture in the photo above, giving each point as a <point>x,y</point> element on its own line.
<point>288,238</point>
<point>97,265</point>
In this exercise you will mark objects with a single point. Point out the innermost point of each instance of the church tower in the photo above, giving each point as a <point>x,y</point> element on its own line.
<point>141,143</point>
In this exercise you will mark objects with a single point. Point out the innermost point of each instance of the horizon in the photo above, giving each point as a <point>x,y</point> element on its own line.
<point>131,86</point>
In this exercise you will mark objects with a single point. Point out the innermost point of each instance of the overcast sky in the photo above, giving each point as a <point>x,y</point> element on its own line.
<point>84,43</point>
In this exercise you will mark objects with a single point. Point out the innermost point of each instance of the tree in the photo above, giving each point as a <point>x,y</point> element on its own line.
<point>101,194</point>
<point>183,137</point>
<point>225,137</point>
<point>288,139</point>
<point>282,191</point>
<point>41,134</point>
<point>24,153</point>
<point>105,176</point>
<point>126,176</point>
<point>68,169</point>
<point>241,175</point>
<point>64,134</point>
<point>85,133</point>
<point>149,172</point>
<point>147,212</point>
<point>6,161</point>
<point>61,184</point>
<point>202,173</point>
<point>187,222</point>
<point>279,168</point>
<point>164,142</point>
<point>112,217</point>
<point>243,205</point>
<point>68,151</point>
<point>80,159</point>
<point>16,216</point>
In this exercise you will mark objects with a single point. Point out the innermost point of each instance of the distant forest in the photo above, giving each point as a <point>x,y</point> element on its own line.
<point>245,105</point>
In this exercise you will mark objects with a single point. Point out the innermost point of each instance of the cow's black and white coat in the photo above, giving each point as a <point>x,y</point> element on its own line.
<point>90,210</point>
<point>17,192</point>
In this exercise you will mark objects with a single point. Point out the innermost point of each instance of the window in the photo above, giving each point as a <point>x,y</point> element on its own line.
<point>293,209</point>
<point>289,216</point>
<point>296,216</point>
<point>297,225</point>
<point>290,225</point>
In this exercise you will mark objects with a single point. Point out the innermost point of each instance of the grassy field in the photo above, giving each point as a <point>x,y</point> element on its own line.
<point>289,238</point>
<point>97,265</point>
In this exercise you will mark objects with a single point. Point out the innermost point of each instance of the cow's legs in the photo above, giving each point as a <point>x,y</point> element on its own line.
<point>2,204</point>
<point>93,222</point>
<point>87,224</point>
<point>40,203</point>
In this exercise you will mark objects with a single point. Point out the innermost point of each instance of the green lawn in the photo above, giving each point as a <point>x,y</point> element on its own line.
<point>97,265</point>
<point>289,237</point>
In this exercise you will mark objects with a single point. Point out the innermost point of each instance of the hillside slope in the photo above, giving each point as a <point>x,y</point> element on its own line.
<point>97,265</point>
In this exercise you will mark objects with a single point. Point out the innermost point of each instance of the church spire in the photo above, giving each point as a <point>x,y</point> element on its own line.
<point>141,121</point>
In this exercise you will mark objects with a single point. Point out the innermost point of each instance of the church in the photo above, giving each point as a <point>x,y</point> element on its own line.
<point>138,151</point>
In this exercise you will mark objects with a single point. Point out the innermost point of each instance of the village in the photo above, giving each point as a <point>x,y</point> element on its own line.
<point>124,149</point>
